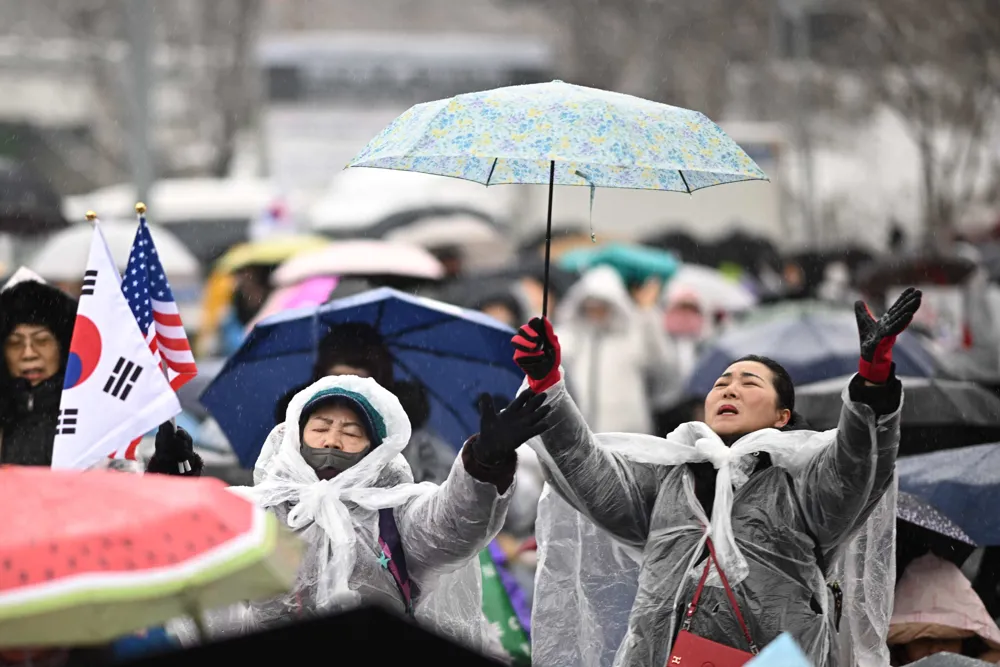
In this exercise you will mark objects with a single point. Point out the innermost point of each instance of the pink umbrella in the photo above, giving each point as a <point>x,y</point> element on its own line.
<point>310,292</point>
<point>360,258</point>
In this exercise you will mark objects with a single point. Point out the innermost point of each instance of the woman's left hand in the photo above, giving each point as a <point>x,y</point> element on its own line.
<point>879,335</point>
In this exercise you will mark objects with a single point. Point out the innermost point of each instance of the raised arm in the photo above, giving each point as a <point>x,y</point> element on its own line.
<point>443,529</point>
<point>615,493</point>
<point>844,482</point>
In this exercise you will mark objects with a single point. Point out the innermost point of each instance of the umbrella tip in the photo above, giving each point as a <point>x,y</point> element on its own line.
<point>140,208</point>
<point>91,216</point>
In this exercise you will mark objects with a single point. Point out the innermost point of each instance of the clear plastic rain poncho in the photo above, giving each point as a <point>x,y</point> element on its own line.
<point>338,518</point>
<point>587,581</point>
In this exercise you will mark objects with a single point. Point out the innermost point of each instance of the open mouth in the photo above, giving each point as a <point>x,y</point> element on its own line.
<point>32,374</point>
<point>727,410</point>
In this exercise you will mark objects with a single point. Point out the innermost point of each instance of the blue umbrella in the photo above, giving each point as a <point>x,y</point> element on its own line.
<point>964,484</point>
<point>812,344</point>
<point>455,354</point>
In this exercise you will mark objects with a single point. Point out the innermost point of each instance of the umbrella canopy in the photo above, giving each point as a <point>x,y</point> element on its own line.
<point>937,413</point>
<point>963,483</point>
<point>360,258</point>
<point>100,554</point>
<point>311,292</point>
<point>28,203</point>
<point>914,270</point>
<point>455,354</point>
<point>634,263</point>
<point>480,244</point>
<point>270,252</point>
<point>716,291</point>
<point>514,134</point>
<point>558,133</point>
<point>812,345</point>
<point>63,258</point>
<point>950,660</point>
<point>913,510</point>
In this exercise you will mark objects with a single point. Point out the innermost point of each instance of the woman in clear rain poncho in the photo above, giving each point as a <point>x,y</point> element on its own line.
<point>787,511</point>
<point>334,473</point>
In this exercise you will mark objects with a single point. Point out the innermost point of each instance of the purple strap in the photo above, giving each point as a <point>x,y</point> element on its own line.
<point>391,545</point>
<point>514,592</point>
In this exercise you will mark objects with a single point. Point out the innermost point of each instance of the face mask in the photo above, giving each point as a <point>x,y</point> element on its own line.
<point>331,459</point>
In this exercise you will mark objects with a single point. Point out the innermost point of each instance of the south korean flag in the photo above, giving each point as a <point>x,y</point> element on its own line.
<point>114,390</point>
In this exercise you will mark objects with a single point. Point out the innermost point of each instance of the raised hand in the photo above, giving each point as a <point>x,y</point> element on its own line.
<point>878,335</point>
<point>537,352</point>
<point>501,433</point>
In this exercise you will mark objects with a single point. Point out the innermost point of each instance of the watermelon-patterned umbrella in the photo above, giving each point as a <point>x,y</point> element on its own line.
<point>86,557</point>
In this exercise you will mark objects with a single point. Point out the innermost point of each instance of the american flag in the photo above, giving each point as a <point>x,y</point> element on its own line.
<point>152,302</point>
<point>148,293</point>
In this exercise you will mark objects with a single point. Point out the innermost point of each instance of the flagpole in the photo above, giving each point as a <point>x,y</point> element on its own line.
<point>140,211</point>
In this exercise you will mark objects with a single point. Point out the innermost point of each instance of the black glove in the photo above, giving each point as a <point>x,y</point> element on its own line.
<point>500,434</point>
<point>879,335</point>
<point>174,453</point>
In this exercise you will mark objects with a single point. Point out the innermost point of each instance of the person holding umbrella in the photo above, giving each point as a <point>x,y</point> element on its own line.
<point>735,524</point>
<point>333,473</point>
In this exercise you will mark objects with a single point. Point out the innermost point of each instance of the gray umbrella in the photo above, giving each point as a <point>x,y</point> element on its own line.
<point>937,413</point>
<point>948,660</point>
<point>913,510</point>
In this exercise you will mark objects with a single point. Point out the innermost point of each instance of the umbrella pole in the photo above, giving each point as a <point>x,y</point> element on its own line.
<point>548,241</point>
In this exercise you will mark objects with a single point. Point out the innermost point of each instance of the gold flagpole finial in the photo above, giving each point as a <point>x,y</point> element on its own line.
<point>140,208</point>
<point>91,216</point>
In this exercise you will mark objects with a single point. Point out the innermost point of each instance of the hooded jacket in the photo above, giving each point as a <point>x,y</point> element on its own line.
<point>620,368</point>
<point>29,415</point>
<point>442,528</point>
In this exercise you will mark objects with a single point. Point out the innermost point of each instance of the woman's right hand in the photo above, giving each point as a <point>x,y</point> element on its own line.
<point>538,354</point>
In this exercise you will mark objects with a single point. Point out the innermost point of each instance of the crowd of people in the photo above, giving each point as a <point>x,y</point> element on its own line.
<point>647,525</point>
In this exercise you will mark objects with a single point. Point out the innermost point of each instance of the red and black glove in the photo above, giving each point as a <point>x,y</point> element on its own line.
<point>537,352</point>
<point>879,335</point>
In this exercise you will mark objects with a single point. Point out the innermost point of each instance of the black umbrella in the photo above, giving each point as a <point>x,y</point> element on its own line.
<point>28,203</point>
<point>937,413</point>
<point>922,528</point>
<point>914,270</point>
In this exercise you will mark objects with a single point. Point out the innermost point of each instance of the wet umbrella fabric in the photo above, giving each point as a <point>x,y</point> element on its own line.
<point>922,528</point>
<point>812,344</point>
<point>962,483</point>
<point>937,413</point>
<point>560,134</point>
<point>28,204</point>
<point>99,554</point>
<point>455,354</point>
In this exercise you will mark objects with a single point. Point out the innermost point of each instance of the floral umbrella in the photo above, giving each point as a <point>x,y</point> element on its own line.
<point>558,133</point>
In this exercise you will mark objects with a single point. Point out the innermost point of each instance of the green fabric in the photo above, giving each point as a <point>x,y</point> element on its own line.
<point>377,421</point>
<point>500,613</point>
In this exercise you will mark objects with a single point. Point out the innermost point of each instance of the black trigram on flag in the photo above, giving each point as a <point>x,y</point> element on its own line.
<point>67,422</point>
<point>89,281</point>
<point>122,379</point>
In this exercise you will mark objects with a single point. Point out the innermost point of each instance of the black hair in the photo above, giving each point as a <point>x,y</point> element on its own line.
<point>355,344</point>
